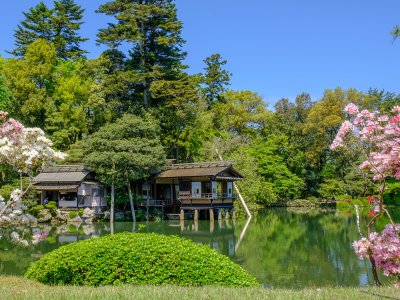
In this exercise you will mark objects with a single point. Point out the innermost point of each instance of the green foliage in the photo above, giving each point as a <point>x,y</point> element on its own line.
<point>126,150</point>
<point>271,160</point>
<point>58,25</point>
<point>80,212</point>
<point>153,31</point>
<point>343,205</point>
<point>215,78</point>
<point>36,210</point>
<point>72,214</point>
<point>138,259</point>
<point>52,207</point>
<point>240,112</point>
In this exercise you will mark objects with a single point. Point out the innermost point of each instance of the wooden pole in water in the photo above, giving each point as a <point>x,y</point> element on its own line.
<point>196,215</point>
<point>211,214</point>
<point>237,191</point>
<point>182,215</point>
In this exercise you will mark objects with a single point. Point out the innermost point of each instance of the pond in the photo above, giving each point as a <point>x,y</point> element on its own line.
<point>284,248</point>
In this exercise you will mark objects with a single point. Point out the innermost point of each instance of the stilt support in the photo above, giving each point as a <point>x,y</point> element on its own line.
<point>211,214</point>
<point>219,214</point>
<point>182,215</point>
<point>196,215</point>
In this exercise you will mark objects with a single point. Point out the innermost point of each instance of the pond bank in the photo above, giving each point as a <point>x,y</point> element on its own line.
<point>20,288</point>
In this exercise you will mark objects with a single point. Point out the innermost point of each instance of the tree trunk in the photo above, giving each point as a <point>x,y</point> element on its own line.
<point>131,202</point>
<point>112,204</point>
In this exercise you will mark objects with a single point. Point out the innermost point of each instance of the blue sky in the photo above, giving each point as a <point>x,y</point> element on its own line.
<point>276,48</point>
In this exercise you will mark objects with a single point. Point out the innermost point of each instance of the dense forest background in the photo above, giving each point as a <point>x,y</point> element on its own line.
<point>283,151</point>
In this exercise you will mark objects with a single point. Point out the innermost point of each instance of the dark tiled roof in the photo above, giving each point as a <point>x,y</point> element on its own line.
<point>203,169</point>
<point>72,173</point>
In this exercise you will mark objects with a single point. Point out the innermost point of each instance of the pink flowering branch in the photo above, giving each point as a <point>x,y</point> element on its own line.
<point>379,136</point>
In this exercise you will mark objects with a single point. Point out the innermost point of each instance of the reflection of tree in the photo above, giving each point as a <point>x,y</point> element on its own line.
<point>298,250</point>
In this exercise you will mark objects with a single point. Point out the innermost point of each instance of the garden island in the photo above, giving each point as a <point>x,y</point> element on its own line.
<point>126,174</point>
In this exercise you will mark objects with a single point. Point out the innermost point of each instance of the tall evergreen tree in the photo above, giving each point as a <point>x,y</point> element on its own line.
<point>58,25</point>
<point>37,25</point>
<point>66,22</point>
<point>216,78</point>
<point>154,32</point>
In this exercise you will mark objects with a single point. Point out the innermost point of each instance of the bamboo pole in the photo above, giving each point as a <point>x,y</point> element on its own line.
<point>237,191</point>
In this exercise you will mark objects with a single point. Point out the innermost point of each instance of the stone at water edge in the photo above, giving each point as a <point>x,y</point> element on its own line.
<point>76,219</point>
<point>88,213</point>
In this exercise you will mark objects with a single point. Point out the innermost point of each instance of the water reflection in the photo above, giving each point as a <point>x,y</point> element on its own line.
<point>281,248</point>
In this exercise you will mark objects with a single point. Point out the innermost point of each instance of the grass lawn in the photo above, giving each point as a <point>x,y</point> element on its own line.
<point>20,288</point>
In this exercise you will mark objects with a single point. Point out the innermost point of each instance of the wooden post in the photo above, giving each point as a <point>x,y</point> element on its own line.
<point>233,214</point>
<point>211,215</point>
<point>219,214</point>
<point>182,215</point>
<point>226,214</point>
<point>212,225</point>
<point>196,215</point>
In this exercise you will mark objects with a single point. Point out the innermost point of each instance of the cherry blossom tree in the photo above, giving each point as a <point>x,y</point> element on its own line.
<point>26,149</point>
<point>379,136</point>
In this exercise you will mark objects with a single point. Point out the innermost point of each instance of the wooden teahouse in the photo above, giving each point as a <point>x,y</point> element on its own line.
<point>72,186</point>
<point>191,187</point>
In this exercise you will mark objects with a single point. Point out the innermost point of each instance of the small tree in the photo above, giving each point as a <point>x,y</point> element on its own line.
<point>123,151</point>
<point>26,150</point>
<point>379,136</point>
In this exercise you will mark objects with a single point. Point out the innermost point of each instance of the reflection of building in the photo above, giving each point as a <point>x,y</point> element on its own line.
<point>219,235</point>
<point>191,186</point>
<point>70,186</point>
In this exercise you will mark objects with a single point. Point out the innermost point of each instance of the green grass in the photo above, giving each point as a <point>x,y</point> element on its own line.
<point>20,288</point>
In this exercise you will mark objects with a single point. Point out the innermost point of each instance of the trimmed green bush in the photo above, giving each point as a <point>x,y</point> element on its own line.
<point>138,258</point>
<point>72,214</point>
<point>36,210</point>
<point>80,212</point>
<point>343,205</point>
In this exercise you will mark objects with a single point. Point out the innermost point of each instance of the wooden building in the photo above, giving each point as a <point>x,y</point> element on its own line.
<point>191,186</point>
<point>72,186</point>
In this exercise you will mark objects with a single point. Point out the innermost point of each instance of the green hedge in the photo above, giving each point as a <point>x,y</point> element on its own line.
<point>138,258</point>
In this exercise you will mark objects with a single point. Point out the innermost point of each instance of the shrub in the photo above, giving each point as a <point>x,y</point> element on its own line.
<point>72,214</point>
<point>360,202</point>
<point>343,205</point>
<point>80,212</point>
<point>52,207</point>
<point>138,258</point>
<point>35,211</point>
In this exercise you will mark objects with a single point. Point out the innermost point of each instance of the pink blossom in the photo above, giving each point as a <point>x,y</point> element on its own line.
<point>351,109</point>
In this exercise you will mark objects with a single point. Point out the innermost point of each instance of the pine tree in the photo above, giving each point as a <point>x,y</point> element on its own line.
<point>58,25</point>
<point>215,79</point>
<point>37,25</point>
<point>153,30</point>
<point>66,22</point>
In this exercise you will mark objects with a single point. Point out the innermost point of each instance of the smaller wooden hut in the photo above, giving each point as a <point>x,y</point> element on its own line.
<point>72,186</point>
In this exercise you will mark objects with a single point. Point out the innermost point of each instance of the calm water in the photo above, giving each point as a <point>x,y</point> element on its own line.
<point>281,248</point>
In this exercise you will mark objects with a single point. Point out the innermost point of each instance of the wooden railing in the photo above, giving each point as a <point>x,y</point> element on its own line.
<point>189,195</point>
<point>153,202</point>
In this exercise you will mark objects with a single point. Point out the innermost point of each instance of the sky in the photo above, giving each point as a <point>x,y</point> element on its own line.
<point>278,49</point>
